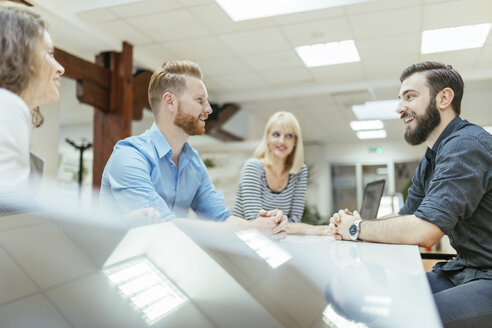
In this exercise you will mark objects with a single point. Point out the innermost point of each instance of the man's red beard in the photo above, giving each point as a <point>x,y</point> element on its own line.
<point>189,123</point>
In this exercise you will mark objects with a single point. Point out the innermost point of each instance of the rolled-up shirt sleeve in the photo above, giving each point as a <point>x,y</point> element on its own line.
<point>458,183</point>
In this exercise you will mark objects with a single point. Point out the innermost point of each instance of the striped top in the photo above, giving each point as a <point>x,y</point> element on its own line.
<point>253,193</point>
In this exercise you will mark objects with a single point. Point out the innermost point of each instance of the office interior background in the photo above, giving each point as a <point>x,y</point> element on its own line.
<point>256,63</point>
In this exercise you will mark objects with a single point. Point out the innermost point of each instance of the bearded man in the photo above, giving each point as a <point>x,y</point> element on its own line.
<point>451,194</point>
<point>159,170</point>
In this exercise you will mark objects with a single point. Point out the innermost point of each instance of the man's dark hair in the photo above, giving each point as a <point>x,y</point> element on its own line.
<point>439,76</point>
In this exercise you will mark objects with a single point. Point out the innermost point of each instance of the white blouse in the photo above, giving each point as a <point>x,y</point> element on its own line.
<point>15,134</point>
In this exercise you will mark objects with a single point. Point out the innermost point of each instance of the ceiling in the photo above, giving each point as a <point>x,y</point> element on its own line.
<point>254,64</point>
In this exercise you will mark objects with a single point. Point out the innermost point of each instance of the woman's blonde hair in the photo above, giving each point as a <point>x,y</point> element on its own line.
<point>288,122</point>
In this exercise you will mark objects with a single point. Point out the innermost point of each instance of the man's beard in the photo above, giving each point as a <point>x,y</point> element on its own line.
<point>426,123</point>
<point>189,123</point>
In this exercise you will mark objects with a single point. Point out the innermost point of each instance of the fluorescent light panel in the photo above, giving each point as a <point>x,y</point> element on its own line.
<point>371,134</point>
<point>240,10</point>
<point>454,38</point>
<point>151,294</point>
<point>376,110</point>
<point>264,247</point>
<point>366,125</point>
<point>332,53</point>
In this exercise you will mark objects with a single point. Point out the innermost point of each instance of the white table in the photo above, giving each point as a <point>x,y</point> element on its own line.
<point>53,274</point>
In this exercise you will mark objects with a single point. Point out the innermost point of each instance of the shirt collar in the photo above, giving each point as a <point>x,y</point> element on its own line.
<point>454,125</point>
<point>159,141</point>
<point>163,148</point>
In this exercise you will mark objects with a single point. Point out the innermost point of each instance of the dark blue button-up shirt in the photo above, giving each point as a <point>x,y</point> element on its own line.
<point>452,188</point>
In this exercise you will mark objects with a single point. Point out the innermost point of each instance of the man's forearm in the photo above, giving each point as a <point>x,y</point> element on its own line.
<point>388,216</point>
<point>407,229</point>
<point>237,220</point>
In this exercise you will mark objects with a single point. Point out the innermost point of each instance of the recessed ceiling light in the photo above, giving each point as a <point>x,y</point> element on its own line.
<point>240,10</point>
<point>264,247</point>
<point>454,38</point>
<point>151,293</point>
<point>376,110</point>
<point>332,53</point>
<point>366,125</point>
<point>371,134</point>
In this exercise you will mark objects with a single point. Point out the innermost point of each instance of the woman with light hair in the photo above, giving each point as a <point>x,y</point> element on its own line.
<point>29,78</point>
<point>277,177</point>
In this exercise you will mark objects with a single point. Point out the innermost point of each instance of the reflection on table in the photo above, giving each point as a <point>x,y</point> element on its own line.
<point>61,269</point>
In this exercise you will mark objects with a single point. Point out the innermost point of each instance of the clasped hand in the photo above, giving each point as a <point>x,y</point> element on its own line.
<point>274,221</point>
<point>340,223</point>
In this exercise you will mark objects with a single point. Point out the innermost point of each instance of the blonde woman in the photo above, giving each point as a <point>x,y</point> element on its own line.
<point>277,177</point>
<point>29,78</point>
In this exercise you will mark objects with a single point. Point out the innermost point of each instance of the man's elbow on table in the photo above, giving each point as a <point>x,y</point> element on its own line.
<point>429,233</point>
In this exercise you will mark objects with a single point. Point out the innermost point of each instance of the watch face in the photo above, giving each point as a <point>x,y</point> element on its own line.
<point>352,230</point>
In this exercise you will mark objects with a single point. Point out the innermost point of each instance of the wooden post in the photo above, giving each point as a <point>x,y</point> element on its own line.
<point>114,123</point>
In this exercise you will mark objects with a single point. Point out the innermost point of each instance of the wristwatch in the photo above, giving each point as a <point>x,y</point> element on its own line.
<point>354,230</point>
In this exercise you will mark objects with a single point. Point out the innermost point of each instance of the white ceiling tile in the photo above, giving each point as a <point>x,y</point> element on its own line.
<point>54,260</point>
<point>485,58</point>
<point>240,81</point>
<point>269,106</point>
<point>286,76</point>
<point>392,46</point>
<point>197,49</point>
<point>273,60</point>
<point>380,5</point>
<point>193,3</point>
<point>92,302</point>
<point>97,15</point>
<point>18,283</point>
<point>256,41</point>
<point>388,66</point>
<point>124,32</point>
<point>155,55</point>
<point>457,13</point>
<point>309,16</point>
<point>217,21</point>
<point>35,311</point>
<point>389,92</point>
<point>315,103</point>
<point>322,31</point>
<point>461,60</point>
<point>386,23</point>
<point>169,26</point>
<point>342,73</point>
<point>145,7</point>
<point>223,66</point>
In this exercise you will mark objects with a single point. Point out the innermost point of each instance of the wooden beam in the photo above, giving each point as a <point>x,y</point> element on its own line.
<point>217,119</point>
<point>115,124</point>
<point>79,69</point>
<point>141,82</point>
<point>92,94</point>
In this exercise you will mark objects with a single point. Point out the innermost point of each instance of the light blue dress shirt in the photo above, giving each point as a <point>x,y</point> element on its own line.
<point>140,174</point>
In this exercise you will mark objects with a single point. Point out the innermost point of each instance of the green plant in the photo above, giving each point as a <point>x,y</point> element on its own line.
<point>209,162</point>
<point>404,192</point>
<point>312,216</point>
